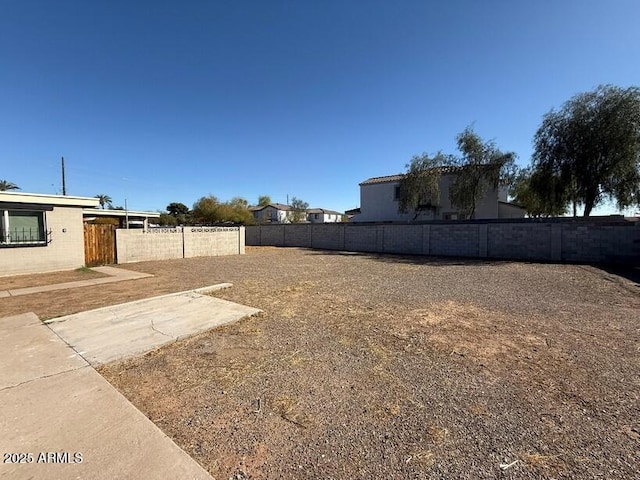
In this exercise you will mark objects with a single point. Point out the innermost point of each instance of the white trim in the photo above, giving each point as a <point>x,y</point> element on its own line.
<point>44,199</point>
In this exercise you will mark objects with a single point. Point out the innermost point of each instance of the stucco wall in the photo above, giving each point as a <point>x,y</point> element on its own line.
<point>65,252</point>
<point>182,242</point>
<point>595,240</point>
<point>378,204</point>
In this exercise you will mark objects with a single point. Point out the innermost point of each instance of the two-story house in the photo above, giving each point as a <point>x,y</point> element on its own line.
<point>379,202</point>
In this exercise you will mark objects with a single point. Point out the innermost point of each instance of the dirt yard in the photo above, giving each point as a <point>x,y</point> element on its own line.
<point>366,366</point>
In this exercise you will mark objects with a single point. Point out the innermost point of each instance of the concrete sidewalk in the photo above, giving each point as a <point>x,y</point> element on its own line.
<point>115,275</point>
<point>68,421</point>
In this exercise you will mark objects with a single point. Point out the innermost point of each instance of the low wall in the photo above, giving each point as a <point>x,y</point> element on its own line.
<point>592,240</point>
<point>181,242</point>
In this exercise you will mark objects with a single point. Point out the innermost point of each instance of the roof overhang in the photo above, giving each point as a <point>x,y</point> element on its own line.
<point>39,199</point>
<point>97,212</point>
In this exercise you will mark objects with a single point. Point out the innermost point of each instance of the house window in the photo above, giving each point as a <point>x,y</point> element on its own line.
<point>22,227</point>
<point>396,192</point>
<point>316,216</point>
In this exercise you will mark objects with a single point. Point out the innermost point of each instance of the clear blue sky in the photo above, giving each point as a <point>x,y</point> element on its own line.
<point>165,101</point>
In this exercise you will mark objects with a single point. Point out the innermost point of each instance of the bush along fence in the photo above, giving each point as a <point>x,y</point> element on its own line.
<point>180,242</point>
<point>577,240</point>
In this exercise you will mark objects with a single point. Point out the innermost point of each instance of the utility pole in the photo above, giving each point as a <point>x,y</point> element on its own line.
<point>64,183</point>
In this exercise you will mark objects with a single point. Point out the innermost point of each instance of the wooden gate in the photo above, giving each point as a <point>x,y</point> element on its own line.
<point>99,244</point>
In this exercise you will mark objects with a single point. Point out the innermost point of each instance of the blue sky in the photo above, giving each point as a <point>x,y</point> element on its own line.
<point>163,101</point>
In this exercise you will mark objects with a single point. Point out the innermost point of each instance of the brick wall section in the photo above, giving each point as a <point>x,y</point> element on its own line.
<point>327,237</point>
<point>297,236</point>
<point>407,239</point>
<point>557,240</point>
<point>64,252</point>
<point>520,240</point>
<point>455,240</point>
<point>169,243</point>
<point>361,238</point>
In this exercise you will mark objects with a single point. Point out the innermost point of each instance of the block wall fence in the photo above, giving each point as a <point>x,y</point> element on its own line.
<point>596,240</point>
<point>181,242</point>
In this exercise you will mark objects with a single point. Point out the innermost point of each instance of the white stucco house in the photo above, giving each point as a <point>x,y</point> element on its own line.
<point>41,233</point>
<point>322,215</point>
<point>379,202</point>
<point>280,213</point>
<point>272,213</point>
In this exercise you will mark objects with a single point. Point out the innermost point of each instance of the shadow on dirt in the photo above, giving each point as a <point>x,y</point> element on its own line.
<point>412,259</point>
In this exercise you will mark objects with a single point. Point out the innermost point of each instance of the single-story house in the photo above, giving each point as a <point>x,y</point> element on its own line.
<point>379,202</point>
<point>41,233</point>
<point>322,215</point>
<point>120,218</point>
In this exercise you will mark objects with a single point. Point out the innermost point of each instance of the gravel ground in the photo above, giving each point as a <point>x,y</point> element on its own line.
<point>368,366</point>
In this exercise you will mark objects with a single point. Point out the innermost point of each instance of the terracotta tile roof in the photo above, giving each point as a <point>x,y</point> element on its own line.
<point>400,176</point>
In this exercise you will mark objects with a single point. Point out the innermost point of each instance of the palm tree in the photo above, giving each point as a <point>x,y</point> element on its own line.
<point>104,199</point>
<point>6,186</point>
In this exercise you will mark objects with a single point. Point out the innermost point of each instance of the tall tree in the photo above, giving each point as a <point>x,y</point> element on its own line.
<point>209,210</point>
<point>264,200</point>
<point>104,199</point>
<point>590,148</point>
<point>176,209</point>
<point>299,210</point>
<point>419,189</point>
<point>5,186</point>
<point>482,167</point>
<point>538,196</point>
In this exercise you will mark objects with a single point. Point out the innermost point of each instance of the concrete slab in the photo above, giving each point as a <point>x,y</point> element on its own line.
<point>30,350</point>
<point>119,331</point>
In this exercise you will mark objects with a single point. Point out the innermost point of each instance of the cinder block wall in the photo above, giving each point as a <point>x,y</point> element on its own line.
<point>597,240</point>
<point>181,242</point>
<point>64,252</point>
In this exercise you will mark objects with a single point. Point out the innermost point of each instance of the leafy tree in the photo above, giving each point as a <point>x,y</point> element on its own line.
<point>299,210</point>
<point>538,197</point>
<point>180,213</point>
<point>176,209</point>
<point>590,148</point>
<point>167,220</point>
<point>205,210</point>
<point>239,202</point>
<point>104,199</point>
<point>419,188</point>
<point>209,210</point>
<point>5,186</point>
<point>482,167</point>
<point>264,200</point>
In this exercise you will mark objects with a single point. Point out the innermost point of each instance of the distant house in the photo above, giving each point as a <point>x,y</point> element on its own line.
<point>272,213</point>
<point>379,197</point>
<point>41,233</point>
<point>322,215</point>
<point>120,218</point>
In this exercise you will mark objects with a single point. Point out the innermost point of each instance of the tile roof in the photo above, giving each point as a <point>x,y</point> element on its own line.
<point>396,178</point>
<point>277,206</point>
<point>323,210</point>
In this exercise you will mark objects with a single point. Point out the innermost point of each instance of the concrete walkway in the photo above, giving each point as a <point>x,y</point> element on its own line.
<point>115,275</point>
<point>68,420</point>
